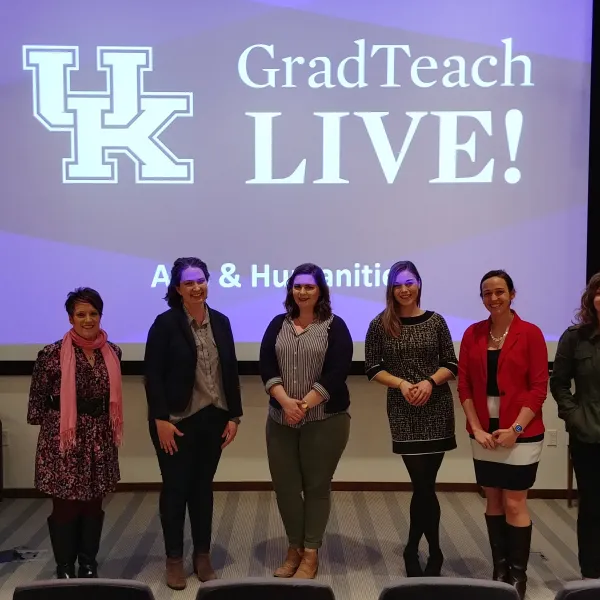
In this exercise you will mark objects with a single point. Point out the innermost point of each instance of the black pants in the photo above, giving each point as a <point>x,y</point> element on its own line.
<point>424,505</point>
<point>586,458</point>
<point>187,477</point>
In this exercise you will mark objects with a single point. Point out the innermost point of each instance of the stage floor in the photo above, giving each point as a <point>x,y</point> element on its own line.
<point>362,550</point>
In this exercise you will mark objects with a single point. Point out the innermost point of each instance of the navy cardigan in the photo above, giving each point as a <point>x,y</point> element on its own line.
<point>336,367</point>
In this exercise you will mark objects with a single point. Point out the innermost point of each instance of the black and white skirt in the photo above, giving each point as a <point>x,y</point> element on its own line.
<point>506,468</point>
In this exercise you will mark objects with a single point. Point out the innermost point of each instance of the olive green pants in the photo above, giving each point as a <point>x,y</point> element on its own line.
<point>302,462</point>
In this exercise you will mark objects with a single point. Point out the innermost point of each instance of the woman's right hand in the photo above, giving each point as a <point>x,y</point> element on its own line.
<point>406,389</point>
<point>294,414</point>
<point>166,435</point>
<point>484,439</point>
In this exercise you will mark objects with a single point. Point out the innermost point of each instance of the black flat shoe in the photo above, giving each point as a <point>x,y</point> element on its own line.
<point>412,563</point>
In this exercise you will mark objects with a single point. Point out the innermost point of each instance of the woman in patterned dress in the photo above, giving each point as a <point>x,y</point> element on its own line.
<point>76,398</point>
<point>305,358</point>
<point>410,351</point>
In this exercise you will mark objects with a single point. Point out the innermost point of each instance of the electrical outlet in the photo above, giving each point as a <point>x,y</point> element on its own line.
<point>552,435</point>
<point>4,437</point>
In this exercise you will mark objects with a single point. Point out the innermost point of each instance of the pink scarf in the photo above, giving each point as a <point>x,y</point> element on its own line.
<point>68,393</point>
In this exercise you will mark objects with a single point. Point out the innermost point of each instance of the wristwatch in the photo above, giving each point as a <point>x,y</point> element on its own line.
<point>236,420</point>
<point>518,429</point>
<point>304,406</point>
<point>431,381</point>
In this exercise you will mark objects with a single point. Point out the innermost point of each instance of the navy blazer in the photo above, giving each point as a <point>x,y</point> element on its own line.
<point>170,363</point>
<point>336,367</point>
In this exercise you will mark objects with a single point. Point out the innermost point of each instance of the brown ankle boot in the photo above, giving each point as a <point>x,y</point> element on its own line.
<point>291,563</point>
<point>175,575</point>
<point>309,565</point>
<point>203,568</point>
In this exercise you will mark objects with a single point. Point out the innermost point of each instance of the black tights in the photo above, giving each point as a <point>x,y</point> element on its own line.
<point>424,505</point>
<point>65,511</point>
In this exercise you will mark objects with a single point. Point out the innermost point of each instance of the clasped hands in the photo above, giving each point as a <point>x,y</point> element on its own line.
<point>506,438</point>
<point>416,394</point>
<point>293,412</point>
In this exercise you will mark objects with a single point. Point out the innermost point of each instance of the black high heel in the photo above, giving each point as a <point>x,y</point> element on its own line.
<point>434,564</point>
<point>412,563</point>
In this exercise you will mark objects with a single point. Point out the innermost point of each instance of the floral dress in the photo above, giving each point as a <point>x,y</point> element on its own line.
<point>91,469</point>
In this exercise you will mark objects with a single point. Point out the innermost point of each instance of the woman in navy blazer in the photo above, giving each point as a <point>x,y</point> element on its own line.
<point>502,384</point>
<point>305,358</point>
<point>194,406</point>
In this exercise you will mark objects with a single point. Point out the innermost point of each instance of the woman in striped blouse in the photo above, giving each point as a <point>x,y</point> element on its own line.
<point>305,357</point>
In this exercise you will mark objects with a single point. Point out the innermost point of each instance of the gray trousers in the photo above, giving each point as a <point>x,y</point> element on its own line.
<point>302,462</point>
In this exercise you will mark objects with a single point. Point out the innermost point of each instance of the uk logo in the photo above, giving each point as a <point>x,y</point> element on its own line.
<point>123,120</point>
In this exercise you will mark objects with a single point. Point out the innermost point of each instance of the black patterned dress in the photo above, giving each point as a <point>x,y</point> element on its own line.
<point>90,469</point>
<point>425,345</point>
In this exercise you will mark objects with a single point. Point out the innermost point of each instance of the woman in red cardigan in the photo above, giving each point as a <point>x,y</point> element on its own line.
<point>503,382</point>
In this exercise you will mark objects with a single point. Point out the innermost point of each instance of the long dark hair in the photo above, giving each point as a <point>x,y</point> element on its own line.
<point>389,318</point>
<point>172,296</point>
<point>587,314</point>
<point>322,308</point>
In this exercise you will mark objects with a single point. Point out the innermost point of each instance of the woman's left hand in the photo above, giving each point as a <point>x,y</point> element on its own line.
<point>229,433</point>
<point>421,393</point>
<point>505,437</point>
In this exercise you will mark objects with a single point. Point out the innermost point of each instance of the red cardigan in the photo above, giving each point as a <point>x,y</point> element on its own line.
<point>522,374</point>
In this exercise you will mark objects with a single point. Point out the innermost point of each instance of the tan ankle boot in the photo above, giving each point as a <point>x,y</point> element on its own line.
<point>203,568</point>
<point>309,565</point>
<point>291,563</point>
<point>175,575</point>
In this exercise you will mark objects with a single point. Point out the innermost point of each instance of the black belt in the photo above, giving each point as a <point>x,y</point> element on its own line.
<point>94,407</point>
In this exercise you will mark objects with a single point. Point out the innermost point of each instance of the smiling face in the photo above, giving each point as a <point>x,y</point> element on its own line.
<point>193,288</point>
<point>496,296</point>
<point>85,321</point>
<point>406,289</point>
<point>305,292</point>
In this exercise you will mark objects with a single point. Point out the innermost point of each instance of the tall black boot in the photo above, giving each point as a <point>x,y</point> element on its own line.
<point>519,544</point>
<point>498,536</point>
<point>63,537</point>
<point>90,533</point>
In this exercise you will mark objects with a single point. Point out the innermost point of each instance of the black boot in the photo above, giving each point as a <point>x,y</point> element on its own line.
<point>89,543</point>
<point>63,537</point>
<point>498,535</point>
<point>519,543</point>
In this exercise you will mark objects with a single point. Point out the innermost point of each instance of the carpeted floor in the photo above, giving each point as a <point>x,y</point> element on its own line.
<point>362,551</point>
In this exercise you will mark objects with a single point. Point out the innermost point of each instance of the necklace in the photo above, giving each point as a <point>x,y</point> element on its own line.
<point>499,340</point>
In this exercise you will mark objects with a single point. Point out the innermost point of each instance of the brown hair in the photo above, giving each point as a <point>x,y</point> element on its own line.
<point>389,318</point>
<point>322,310</point>
<point>587,314</point>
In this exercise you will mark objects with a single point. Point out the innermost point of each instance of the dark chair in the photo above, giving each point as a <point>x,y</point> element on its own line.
<point>89,589</point>
<point>580,590</point>
<point>448,588</point>
<point>260,588</point>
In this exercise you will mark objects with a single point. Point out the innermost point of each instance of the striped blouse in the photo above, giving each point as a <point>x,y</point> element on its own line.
<point>300,357</point>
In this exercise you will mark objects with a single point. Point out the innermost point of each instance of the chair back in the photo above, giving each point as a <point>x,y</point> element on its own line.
<point>580,590</point>
<point>448,588</point>
<point>260,588</point>
<point>88,589</point>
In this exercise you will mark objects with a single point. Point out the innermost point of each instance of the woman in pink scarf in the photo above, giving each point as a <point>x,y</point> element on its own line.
<point>76,398</point>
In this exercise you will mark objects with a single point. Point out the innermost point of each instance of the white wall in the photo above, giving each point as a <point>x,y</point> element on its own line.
<point>368,457</point>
